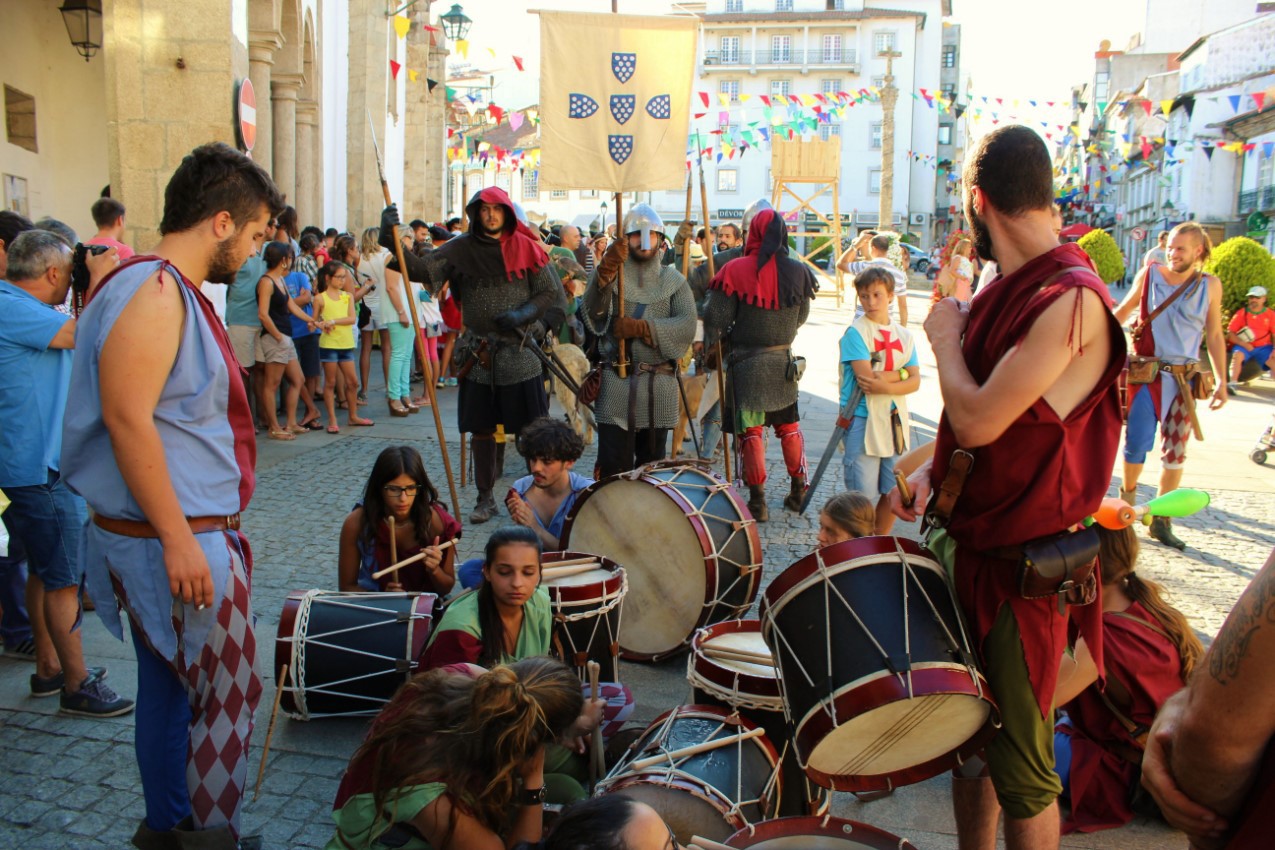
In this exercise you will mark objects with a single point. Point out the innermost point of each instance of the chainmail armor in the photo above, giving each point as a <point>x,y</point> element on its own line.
<point>760,382</point>
<point>699,275</point>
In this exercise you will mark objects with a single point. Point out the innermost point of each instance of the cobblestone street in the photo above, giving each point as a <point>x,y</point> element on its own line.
<point>72,783</point>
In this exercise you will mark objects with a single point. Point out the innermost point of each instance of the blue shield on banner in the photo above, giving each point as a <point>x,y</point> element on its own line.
<point>620,147</point>
<point>623,65</point>
<point>622,106</point>
<point>581,106</point>
<point>659,106</point>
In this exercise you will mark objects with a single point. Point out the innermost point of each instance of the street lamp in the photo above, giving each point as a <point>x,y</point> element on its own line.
<point>455,23</point>
<point>83,19</point>
<point>604,218</point>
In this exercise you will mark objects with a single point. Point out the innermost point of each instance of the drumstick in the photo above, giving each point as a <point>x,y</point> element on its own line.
<point>702,843</point>
<point>737,655</point>
<point>274,714</point>
<point>905,492</point>
<point>571,570</point>
<point>571,562</point>
<point>394,536</point>
<point>684,752</point>
<point>419,556</point>
<point>597,762</point>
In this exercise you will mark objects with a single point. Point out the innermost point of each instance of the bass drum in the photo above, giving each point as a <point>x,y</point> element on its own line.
<point>688,543</point>
<point>692,767</point>
<point>816,833</point>
<point>878,673</point>
<point>347,653</point>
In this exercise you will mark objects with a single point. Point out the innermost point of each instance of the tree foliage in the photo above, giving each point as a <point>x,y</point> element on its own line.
<point>911,239</point>
<point>1105,253</point>
<point>1240,263</point>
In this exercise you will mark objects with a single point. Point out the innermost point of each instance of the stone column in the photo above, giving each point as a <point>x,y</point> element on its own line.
<point>369,83</point>
<point>151,124</point>
<point>889,96</point>
<point>307,173</point>
<point>436,166</point>
<point>261,48</point>
<point>284,91</point>
<point>418,131</point>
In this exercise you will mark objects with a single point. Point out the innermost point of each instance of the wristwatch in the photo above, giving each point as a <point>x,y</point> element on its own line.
<point>531,796</point>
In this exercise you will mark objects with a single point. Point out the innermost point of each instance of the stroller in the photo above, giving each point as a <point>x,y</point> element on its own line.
<point>1266,441</point>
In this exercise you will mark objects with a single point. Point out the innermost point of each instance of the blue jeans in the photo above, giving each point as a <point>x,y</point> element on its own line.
<point>402,346</point>
<point>866,474</point>
<point>712,431</point>
<point>161,736</point>
<point>15,626</point>
<point>48,519</point>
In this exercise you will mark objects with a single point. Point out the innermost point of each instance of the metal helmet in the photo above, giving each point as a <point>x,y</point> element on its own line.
<point>642,219</point>
<point>757,206</point>
<point>521,214</point>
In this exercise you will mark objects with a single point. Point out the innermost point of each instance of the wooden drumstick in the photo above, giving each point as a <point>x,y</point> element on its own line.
<point>394,535</point>
<point>274,715</point>
<point>571,562</point>
<point>571,570</point>
<point>597,760</point>
<point>905,492</point>
<point>698,841</point>
<point>419,556</point>
<point>738,655</point>
<point>684,752</point>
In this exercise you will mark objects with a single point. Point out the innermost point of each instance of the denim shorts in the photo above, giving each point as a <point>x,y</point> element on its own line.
<point>48,519</point>
<point>336,355</point>
<point>869,475</point>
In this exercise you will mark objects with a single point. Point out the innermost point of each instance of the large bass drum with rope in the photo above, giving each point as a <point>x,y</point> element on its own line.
<point>688,543</point>
<point>878,676</point>
<point>347,653</point>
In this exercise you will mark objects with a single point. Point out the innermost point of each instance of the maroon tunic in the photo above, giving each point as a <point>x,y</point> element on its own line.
<point>1148,665</point>
<point>1040,477</point>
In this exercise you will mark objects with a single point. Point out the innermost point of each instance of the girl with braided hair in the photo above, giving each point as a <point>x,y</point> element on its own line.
<point>1148,653</point>
<point>455,761</point>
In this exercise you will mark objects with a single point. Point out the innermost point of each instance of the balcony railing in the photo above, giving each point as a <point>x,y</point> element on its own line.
<point>1257,200</point>
<point>793,56</point>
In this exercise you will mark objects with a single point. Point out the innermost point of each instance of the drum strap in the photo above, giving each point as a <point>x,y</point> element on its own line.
<point>944,502</point>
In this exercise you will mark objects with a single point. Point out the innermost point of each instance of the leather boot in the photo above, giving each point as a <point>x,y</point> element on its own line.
<point>1162,530</point>
<point>796,494</point>
<point>757,502</point>
<point>218,838</point>
<point>485,509</point>
<point>146,838</point>
<point>500,459</point>
<point>1130,497</point>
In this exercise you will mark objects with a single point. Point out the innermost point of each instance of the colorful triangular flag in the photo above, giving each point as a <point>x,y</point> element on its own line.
<point>394,69</point>
<point>402,25</point>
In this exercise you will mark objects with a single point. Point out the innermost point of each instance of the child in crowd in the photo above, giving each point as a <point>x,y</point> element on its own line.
<point>880,357</point>
<point>334,306</point>
<point>398,487</point>
<point>846,516</point>
<point>1149,651</point>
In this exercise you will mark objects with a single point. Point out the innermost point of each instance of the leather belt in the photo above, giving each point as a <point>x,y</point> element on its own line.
<point>958,469</point>
<point>739,355</point>
<point>139,528</point>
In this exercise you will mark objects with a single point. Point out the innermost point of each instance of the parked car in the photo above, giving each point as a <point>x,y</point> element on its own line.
<point>917,259</point>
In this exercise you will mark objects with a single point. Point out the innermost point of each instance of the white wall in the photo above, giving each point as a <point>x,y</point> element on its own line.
<point>70,107</point>
<point>1172,25</point>
<point>335,56</point>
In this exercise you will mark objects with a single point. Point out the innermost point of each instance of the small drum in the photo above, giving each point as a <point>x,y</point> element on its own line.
<point>586,612</point>
<point>347,653</point>
<point>692,767</point>
<point>816,833</point>
<point>731,666</point>
<point>878,676</point>
<point>688,542</point>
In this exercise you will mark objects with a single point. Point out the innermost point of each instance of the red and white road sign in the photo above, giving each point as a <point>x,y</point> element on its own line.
<point>1138,234</point>
<point>246,115</point>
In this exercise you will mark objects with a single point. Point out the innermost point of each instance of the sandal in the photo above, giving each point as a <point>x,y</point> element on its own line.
<point>423,401</point>
<point>297,429</point>
<point>361,422</point>
<point>312,423</point>
<point>282,435</point>
<point>397,409</point>
<point>334,429</point>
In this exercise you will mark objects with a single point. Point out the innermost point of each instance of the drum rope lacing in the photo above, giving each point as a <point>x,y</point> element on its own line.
<point>670,772</point>
<point>298,668</point>
<point>735,697</point>
<point>597,613</point>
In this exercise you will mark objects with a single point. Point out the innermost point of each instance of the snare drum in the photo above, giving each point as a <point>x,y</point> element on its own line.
<point>816,833</point>
<point>586,613</point>
<point>347,653</point>
<point>688,542</point>
<point>730,665</point>
<point>878,676</point>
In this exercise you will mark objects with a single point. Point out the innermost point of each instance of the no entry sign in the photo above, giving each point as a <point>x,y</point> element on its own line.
<point>1138,234</point>
<point>246,114</point>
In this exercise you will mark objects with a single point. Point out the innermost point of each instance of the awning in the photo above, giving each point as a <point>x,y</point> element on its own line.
<point>1074,231</point>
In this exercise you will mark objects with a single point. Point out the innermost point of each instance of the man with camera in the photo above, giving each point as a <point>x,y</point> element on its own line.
<point>108,215</point>
<point>45,517</point>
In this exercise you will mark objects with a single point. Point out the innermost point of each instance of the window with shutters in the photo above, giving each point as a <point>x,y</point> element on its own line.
<point>727,180</point>
<point>779,88</point>
<point>781,48</point>
<point>832,48</point>
<point>949,56</point>
<point>530,185</point>
<point>730,88</point>
<point>19,119</point>
<point>883,42</point>
<point>875,137</point>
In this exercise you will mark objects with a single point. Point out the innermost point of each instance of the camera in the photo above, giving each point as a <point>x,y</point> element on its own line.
<point>80,266</point>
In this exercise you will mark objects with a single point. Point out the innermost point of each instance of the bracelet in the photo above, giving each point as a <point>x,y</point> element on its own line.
<point>903,374</point>
<point>531,796</point>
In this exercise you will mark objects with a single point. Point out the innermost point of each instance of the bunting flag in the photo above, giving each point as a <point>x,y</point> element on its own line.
<point>402,25</point>
<point>412,75</point>
<point>433,84</point>
<point>638,73</point>
<point>462,47</point>
<point>1235,102</point>
<point>518,63</point>
<point>495,112</point>
<point>1258,98</point>
<point>1166,106</point>
<point>394,69</point>
<point>515,120</point>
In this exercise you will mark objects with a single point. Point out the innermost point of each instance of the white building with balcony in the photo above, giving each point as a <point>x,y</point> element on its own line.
<point>778,48</point>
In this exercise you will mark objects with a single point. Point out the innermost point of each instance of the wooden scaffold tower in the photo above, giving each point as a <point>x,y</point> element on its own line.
<point>815,167</point>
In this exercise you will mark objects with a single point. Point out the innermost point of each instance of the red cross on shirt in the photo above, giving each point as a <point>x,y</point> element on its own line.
<point>885,342</point>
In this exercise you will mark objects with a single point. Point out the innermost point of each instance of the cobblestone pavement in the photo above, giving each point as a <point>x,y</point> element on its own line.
<point>72,783</point>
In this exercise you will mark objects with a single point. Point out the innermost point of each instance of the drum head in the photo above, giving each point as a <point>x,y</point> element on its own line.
<point>749,642</point>
<point>686,811</point>
<point>891,738</point>
<point>599,577</point>
<point>816,833</point>
<point>647,532</point>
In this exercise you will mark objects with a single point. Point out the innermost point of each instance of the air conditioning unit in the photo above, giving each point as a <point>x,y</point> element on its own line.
<point>918,218</point>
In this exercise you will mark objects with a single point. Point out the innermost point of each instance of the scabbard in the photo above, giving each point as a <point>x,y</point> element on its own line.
<point>1188,402</point>
<point>844,418</point>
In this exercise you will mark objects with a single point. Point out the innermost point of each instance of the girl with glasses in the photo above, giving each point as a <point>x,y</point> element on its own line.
<point>398,487</point>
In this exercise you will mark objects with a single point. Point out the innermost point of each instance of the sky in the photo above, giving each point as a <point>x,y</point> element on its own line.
<point>1011,48</point>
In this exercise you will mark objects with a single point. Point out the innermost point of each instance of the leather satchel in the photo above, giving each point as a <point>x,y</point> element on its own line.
<point>1063,565</point>
<point>1143,370</point>
<point>1202,385</point>
<point>591,386</point>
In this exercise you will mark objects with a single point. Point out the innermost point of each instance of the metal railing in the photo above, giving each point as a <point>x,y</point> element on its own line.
<point>792,56</point>
<point>1256,200</point>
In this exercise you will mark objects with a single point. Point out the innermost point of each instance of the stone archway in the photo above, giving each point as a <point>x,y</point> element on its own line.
<point>264,39</point>
<point>309,170</point>
<point>285,89</point>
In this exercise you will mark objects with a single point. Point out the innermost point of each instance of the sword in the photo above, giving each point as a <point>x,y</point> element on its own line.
<point>844,418</point>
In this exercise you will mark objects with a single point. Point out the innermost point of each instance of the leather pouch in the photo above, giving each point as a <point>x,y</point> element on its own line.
<point>796,368</point>
<point>1143,370</point>
<point>1063,565</point>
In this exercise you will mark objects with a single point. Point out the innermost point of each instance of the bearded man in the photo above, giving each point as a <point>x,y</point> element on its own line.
<point>634,413</point>
<point>757,303</point>
<point>502,279</point>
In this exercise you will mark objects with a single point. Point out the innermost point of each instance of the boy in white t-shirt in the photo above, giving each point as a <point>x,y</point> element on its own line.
<point>881,356</point>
